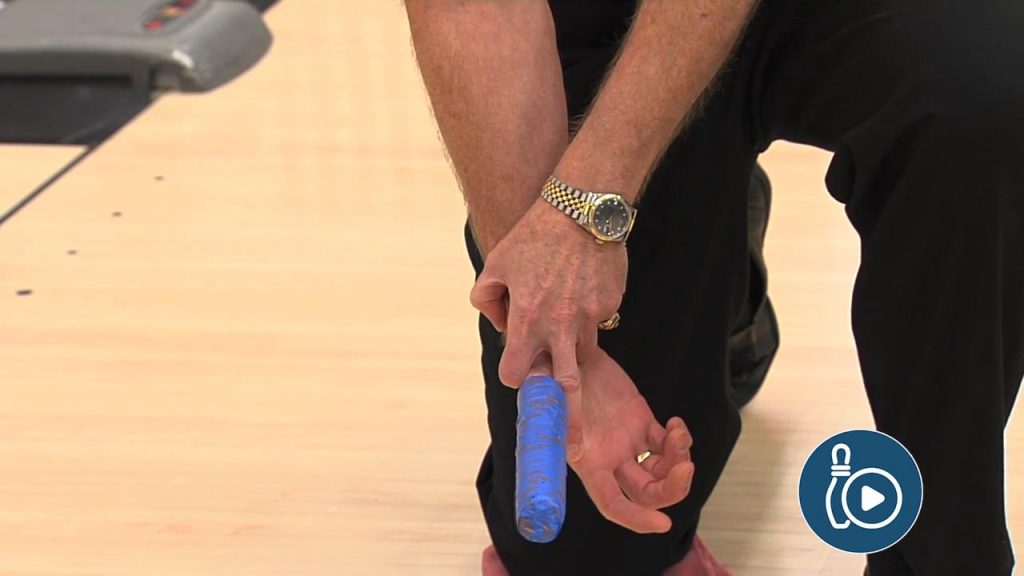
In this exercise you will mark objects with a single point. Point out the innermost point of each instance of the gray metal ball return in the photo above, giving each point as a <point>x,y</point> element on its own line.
<point>76,71</point>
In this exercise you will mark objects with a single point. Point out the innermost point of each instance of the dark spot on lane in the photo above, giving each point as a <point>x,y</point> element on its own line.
<point>72,252</point>
<point>24,292</point>
<point>159,178</point>
<point>116,214</point>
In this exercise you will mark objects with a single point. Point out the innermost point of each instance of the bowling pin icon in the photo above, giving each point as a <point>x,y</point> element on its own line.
<point>838,471</point>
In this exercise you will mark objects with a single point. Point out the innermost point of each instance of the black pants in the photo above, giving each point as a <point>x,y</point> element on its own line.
<point>922,102</point>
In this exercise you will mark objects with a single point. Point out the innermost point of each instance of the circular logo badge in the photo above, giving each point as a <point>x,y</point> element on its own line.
<point>860,491</point>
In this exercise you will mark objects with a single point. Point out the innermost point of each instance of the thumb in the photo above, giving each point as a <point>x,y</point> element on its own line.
<point>489,296</point>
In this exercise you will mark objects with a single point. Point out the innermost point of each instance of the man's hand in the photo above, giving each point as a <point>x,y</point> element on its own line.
<point>610,424</point>
<point>547,285</point>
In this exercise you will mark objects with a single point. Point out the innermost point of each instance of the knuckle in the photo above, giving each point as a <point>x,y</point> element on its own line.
<point>568,379</point>
<point>686,439</point>
<point>592,308</point>
<point>476,296</point>
<point>610,302</point>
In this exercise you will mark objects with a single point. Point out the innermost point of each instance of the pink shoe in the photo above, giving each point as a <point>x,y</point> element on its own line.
<point>490,564</point>
<point>699,561</point>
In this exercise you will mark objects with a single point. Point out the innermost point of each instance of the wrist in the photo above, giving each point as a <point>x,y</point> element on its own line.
<point>540,218</point>
<point>495,209</point>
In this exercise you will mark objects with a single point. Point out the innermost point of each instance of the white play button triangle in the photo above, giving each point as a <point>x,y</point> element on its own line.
<point>869,498</point>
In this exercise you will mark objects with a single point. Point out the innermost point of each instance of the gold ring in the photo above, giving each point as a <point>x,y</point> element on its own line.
<point>643,456</point>
<point>611,323</point>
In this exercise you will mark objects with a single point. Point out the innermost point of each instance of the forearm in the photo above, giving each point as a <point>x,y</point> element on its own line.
<point>672,53</point>
<point>492,73</point>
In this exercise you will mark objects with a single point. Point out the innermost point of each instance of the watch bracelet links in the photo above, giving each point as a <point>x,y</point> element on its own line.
<point>569,200</point>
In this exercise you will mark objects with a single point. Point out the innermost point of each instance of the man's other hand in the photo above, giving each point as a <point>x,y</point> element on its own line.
<point>546,286</point>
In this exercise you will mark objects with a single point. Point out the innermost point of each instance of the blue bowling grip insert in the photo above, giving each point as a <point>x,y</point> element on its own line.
<point>540,459</point>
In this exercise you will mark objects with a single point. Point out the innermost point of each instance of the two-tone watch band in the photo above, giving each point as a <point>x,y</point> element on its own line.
<point>575,203</point>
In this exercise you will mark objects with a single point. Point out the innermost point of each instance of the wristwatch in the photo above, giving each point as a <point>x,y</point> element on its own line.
<point>607,216</point>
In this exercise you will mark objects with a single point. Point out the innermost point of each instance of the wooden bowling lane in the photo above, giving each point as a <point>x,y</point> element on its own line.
<point>261,360</point>
<point>24,168</point>
<point>265,363</point>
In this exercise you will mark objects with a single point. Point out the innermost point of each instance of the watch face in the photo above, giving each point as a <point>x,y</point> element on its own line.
<point>611,218</point>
